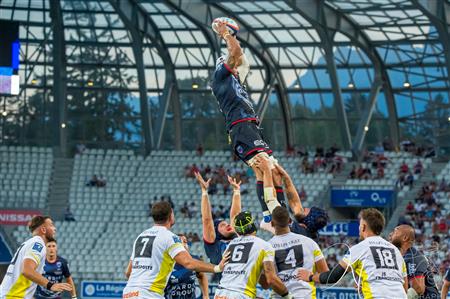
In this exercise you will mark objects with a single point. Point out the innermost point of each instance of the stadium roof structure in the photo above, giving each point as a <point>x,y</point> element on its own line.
<point>135,72</point>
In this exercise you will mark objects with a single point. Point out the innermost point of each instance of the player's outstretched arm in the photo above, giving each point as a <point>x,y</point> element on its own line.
<point>236,200</point>
<point>203,284</point>
<point>185,259</point>
<point>29,271</point>
<point>291,193</point>
<point>328,277</point>
<point>269,189</point>
<point>209,234</point>
<point>234,48</point>
<point>321,266</point>
<point>274,281</point>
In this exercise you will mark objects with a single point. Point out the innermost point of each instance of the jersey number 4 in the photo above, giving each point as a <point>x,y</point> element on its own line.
<point>384,257</point>
<point>16,255</point>
<point>289,258</point>
<point>143,247</point>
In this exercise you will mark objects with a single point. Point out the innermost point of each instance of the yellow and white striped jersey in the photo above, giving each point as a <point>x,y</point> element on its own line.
<point>292,252</point>
<point>379,267</point>
<point>247,255</point>
<point>152,260</point>
<point>14,284</point>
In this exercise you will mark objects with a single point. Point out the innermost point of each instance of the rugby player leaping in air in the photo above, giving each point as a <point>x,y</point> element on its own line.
<point>242,122</point>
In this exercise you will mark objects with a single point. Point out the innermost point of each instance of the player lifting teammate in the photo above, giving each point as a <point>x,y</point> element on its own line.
<point>24,272</point>
<point>249,256</point>
<point>377,263</point>
<point>154,254</point>
<point>218,233</point>
<point>292,252</point>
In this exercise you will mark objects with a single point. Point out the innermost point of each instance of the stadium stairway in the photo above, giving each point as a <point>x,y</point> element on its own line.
<point>404,197</point>
<point>58,199</point>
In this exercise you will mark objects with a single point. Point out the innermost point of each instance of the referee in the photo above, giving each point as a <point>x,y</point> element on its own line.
<point>56,269</point>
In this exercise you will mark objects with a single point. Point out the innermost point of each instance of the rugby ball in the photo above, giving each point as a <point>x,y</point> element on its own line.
<point>231,24</point>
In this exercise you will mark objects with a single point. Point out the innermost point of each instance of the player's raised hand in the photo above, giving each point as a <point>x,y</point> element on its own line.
<point>61,287</point>
<point>225,259</point>
<point>221,28</point>
<point>303,274</point>
<point>204,185</point>
<point>262,163</point>
<point>233,182</point>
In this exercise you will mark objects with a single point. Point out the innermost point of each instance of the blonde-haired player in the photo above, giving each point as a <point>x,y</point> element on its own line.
<point>24,272</point>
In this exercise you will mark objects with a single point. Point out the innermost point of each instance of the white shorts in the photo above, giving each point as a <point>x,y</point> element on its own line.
<point>227,294</point>
<point>137,293</point>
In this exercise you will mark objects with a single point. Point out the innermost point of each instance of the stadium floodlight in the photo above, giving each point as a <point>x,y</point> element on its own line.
<point>194,86</point>
<point>406,84</point>
<point>366,128</point>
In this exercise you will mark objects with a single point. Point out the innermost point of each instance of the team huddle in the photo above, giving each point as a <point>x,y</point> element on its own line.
<point>291,263</point>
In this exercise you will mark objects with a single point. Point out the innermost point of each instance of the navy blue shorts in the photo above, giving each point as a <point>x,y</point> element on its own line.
<point>247,140</point>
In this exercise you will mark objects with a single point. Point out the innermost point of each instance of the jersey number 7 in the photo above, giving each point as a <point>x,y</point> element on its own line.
<point>143,246</point>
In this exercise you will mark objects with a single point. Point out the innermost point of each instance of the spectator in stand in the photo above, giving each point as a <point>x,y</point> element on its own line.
<point>101,182</point>
<point>404,168</point>
<point>380,172</point>
<point>410,208</point>
<point>443,186</point>
<point>68,215</point>
<point>418,167</point>
<point>185,209</point>
<point>409,180</point>
<point>352,174</point>
<point>200,150</point>
<point>302,194</point>
<point>93,181</point>
<point>192,210</point>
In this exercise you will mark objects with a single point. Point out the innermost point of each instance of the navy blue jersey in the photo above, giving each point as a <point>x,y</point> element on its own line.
<point>447,275</point>
<point>231,96</point>
<point>214,251</point>
<point>54,272</point>
<point>181,284</point>
<point>418,266</point>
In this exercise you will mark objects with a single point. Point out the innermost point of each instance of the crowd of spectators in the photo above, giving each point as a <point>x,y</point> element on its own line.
<point>426,213</point>
<point>96,181</point>
<point>218,175</point>
<point>325,161</point>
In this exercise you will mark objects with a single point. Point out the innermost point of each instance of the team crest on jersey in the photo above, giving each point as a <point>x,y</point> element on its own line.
<point>411,268</point>
<point>176,239</point>
<point>240,149</point>
<point>37,247</point>
<point>58,264</point>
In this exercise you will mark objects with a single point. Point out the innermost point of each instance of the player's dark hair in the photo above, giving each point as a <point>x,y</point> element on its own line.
<point>49,240</point>
<point>36,221</point>
<point>161,212</point>
<point>280,217</point>
<point>374,218</point>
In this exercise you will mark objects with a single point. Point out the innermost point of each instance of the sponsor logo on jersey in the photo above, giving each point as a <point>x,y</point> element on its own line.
<point>176,239</point>
<point>37,247</point>
<point>131,294</point>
